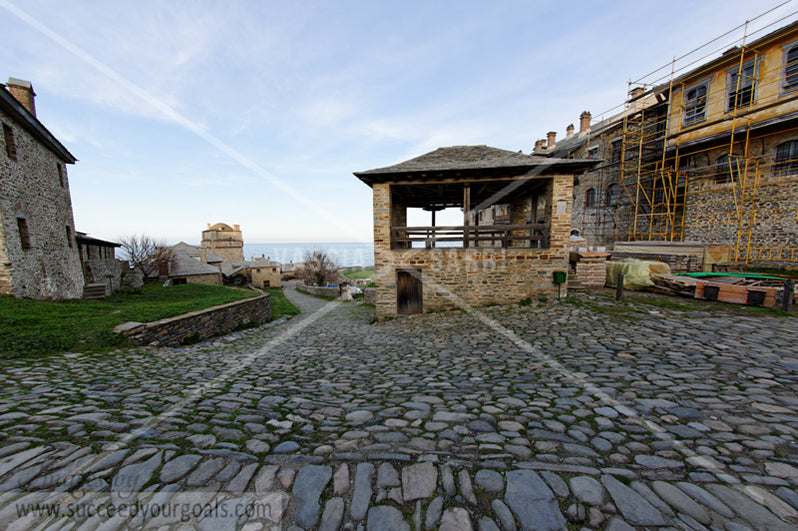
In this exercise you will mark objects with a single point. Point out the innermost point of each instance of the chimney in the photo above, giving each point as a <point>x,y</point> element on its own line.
<point>237,227</point>
<point>209,227</point>
<point>23,92</point>
<point>540,145</point>
<point>569,131</point>
<point>550,142</point>
<point>203,255</point>
<point>584,122</point>
<point>269,260</point>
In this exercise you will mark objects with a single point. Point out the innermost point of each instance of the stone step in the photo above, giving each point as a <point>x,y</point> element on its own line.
<point>94,291</point>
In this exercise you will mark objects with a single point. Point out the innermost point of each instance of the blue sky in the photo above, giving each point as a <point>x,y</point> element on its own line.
<point>183,113</point>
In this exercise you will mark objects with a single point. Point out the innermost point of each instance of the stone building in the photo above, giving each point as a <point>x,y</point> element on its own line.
<point>98,262</point>
<point>193,265</point>
<point>421,268</point>
<point>260,272</point>
<point>224,241</point>
<point>38,252</point>
<point>707,157</point>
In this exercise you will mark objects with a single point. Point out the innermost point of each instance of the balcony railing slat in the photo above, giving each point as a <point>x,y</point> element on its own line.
<point>500,236</point>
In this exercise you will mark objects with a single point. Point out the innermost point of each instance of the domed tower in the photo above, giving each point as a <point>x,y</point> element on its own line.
<point>224,241</point>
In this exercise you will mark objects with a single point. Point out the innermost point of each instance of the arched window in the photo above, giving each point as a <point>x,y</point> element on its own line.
<point>786,158</point>
<point>590,197</point>
<point>612,195</point>
<point>727,169</point>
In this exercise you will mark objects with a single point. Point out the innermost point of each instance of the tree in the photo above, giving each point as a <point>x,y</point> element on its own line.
<point>319,268</point>
<point>146,254</point>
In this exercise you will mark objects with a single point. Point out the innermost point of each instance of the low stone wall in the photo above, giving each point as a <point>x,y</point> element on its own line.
<point>370,296</point>
<point>317,290</point>
<point>202,324</point>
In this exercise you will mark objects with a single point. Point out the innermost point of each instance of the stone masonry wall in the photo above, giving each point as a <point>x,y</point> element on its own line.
<point>202,324</point>
<point>317,290</point>
<point>99,270</point>
<point>475,276</point>
<point>32,190</point>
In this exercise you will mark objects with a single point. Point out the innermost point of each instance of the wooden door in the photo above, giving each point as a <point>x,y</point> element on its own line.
<point>409,293</point>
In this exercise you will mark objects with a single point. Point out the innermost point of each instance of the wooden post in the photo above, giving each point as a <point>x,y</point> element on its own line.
<point>789,291</point>
<point>619,287</point>
<point>466,213</point>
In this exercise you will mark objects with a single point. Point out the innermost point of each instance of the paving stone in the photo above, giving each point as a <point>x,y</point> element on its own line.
<point>286,447</point>
<point>388,476</point>
<point>386,518</point>
<point>504,515</point>
<point>587,490</point>
<point>309,483</point>
<point>364,476</point>
<point>333,514</point>
<point>419,481</point>
<point>204,472</point>
<point>635,509</point>
<point>655,461</point>
<point>178,467</point>
<point>131,478</point>
<point>486,524</point>
<point>447,481</point>
<point>434,511</point>
<point>489,480</point>
<point>680,501</point>
<point>532,501</point>
<point>455,519</point>
<point>239,483</point>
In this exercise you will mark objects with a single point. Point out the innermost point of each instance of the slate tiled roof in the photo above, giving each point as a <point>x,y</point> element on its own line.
<point>185,265</point>
<point>194,252</point>
<point>466,158</point>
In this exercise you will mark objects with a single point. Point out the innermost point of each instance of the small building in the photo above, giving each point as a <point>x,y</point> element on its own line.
<point>193,265</point>
<point>514,235</point>
<point>224,241</point>
<point>98,262</point>
<point>260,272</point>
<point>38,253</point>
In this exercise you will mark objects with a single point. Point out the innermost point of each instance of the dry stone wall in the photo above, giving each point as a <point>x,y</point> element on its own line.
<point>199,325</point>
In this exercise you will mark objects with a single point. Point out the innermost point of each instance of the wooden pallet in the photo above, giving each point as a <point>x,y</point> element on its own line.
<point>737,293</point>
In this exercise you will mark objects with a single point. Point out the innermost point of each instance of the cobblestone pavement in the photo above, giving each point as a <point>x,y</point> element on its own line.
<point>567,415</point>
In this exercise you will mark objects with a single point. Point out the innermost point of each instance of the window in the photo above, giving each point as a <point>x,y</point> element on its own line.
<point>60,173</point>
<point>787,158</point>
<point>727,168</point>
<point>612,195</point>
<point>695,103</point>
<point>69,235</point>
<point>593,153</point>
<point>24,233</point>
<point>741,86</point>
<point>790,80</point>
<point>590,197</point>
<point>11,147</point>
<point>615,151</point>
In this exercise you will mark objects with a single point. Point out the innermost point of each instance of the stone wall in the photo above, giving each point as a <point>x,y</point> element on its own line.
<point>103,270</point>
<point>32,189</point>
<point>370,295</point>
<point>475,276</point>
<point>213,279</point>
<point>317,290</point>
<point>589,267</point>
<point>199,325</point>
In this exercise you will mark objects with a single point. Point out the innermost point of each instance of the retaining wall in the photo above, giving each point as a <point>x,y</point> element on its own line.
<point>317,290</point>
<point>202,324</point>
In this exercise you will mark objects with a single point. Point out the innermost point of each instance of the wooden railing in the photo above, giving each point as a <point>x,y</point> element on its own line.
<point>529,236</point>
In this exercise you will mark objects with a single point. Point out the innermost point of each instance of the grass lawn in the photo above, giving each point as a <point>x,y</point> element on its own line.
<point>29,327</point>
<point>280,305</point>
<point>356,274</point>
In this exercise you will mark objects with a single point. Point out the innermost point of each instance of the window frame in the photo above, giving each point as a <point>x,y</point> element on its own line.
<point>687,105</point>
<point>731,87</point>
<point>70,240</point>
<point>616,150</point>
<point>791,163</point>
<point>11,143</point>
<point>590,198</point>
<point>785,52</point>
<point>613,195</point>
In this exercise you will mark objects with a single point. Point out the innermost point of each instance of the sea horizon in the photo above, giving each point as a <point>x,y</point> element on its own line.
<point>345,254</point>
